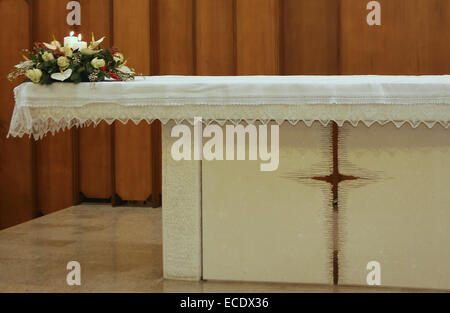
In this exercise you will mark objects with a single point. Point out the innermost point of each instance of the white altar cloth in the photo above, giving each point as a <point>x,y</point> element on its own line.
<point>368,99</point>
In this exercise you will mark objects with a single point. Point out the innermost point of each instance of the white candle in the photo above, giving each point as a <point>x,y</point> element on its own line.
<point>80,44</point>
<point>70,41</point>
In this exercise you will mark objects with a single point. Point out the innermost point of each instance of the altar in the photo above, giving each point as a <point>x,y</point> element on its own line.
<point>362,175</point>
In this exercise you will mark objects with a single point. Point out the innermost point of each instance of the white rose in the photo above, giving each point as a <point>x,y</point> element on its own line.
<point>47,56</point>
<point>118,57</point>
<point>63,62</point>
<point>67,52</point>
<point>98,63</point>
<point>34,75</point>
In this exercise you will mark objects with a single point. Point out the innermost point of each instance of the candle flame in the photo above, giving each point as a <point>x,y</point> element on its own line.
<point>72,33</point>
<point>79,37</point>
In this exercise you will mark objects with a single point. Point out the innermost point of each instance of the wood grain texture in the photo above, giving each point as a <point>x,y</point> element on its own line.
<point>257,37</point>
<point>95,168</point>
<point>133,151</point>
<point>413,38</point>
<point>175,37</point>
<point>55,175</point>
<point>309,37</point>
<point>215,37</point>
<point>156,164</point>
<point>16,203</point>
<point>434,27</point>
<point>95,161</point>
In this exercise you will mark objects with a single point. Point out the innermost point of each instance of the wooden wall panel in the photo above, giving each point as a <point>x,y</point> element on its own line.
<point>16,203</point>
<point>433,18</point>
<point>95,164</point>
<point>175,38</point>
<point>214,33</point>
<point>133,152</point>
<point>55,177</point>
<point>257,36</point>
<point>310,37</point>
<point>95,161</point>
<point>412,38</point>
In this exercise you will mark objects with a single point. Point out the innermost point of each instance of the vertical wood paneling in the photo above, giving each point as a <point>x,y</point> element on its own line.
<point>412,39</point>
<point>310,37</point>
<point>387,49</point>
<point>133,144</point>
<point>95,161</point>
<point>215,36</point>
<point>54,153</point>
<point>433,18</point>
<point>257,31</point>
<point>175,36</point>
<point>16,203</point>
<point>95,142</point>
<point>156,164</point>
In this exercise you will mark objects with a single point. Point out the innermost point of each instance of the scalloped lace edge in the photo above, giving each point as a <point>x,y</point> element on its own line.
<point>40,127</point>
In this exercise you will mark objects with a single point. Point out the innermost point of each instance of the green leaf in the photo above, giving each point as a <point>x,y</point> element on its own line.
<point>76,77</point>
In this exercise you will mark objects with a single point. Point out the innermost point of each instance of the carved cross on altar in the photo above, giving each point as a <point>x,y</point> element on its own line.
<point>334,179</point>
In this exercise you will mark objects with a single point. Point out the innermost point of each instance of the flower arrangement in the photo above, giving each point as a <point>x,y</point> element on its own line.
<point>74,62</point>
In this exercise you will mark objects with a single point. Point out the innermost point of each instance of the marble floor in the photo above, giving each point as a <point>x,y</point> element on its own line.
<point>119,250</point>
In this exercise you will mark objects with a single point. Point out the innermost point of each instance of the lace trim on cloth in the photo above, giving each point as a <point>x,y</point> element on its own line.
<point>37,121</point>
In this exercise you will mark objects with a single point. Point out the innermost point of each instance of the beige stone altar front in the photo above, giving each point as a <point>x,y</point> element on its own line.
<point>363,175</point>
